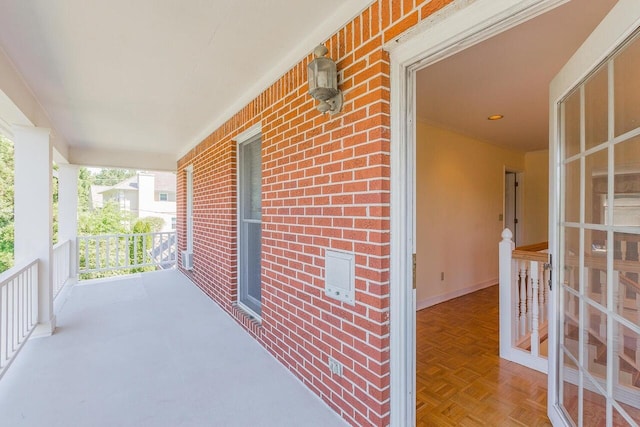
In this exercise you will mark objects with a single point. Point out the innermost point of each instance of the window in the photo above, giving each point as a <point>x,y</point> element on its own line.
<point>189,172</point>
<point>250,221</point>
<point>163,197</point>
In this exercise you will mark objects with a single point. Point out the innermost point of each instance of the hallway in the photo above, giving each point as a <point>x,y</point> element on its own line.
<point>460,379</point>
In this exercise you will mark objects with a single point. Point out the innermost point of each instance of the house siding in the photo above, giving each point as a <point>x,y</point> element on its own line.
<point>325,185</point>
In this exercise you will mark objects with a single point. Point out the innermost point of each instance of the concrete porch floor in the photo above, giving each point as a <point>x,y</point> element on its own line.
<point>152,350</point>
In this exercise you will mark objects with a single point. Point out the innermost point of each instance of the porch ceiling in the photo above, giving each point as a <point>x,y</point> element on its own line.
<point>148,79</point>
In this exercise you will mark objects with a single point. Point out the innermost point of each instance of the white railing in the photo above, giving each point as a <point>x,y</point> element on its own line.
<point>18,310</point>
<point>61,266</point>
<point>126,251</point>
<point>523,303</point>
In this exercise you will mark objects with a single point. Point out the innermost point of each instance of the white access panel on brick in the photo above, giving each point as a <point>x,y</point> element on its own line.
<point>340,275</point>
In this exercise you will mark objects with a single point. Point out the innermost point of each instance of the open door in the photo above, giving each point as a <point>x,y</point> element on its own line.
<point>594,329</point>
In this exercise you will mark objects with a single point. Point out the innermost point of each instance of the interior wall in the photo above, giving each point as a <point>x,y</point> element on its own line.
<point>459,200</point>
<point>536,197</point>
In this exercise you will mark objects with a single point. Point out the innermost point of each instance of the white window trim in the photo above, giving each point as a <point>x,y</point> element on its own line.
<point>189,219</point>
<point>242,138</point>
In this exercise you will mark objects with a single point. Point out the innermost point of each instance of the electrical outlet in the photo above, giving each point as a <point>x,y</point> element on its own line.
<point>335,367</point>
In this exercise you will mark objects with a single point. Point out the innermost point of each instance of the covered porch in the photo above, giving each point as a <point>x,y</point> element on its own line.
<point>135,351</point>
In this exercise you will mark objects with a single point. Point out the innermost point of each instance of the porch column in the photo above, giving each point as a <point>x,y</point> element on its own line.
<point>68,212</point>
<point>34,214</point>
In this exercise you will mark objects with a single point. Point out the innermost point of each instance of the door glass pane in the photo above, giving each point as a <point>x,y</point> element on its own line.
<point>595,263</point>
<point>570,328</point>
<point>596,342</point>
<point>594,406</point>
<point>626,88</point>
<point>596,111</point>
<point>627,386</point>
<point>571,254</point>
<point>571,125</point>
<point>626,209</point>
<point>570,388</point>
<point>627,277</point>
<point>596,187</point>
<point>572,192</point>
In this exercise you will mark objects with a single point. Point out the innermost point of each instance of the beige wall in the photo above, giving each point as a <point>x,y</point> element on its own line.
<point>460,193</point>
<point>536,197</point>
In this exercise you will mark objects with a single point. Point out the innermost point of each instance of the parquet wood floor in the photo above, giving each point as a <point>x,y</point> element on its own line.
<point>461,380</point>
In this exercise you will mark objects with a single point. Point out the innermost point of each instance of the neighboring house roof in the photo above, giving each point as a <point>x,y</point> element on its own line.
<point>164,182</point>
<point>130,183</point>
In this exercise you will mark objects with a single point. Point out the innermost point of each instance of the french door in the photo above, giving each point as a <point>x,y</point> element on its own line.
<point>250,224</point>
<point>594,371</point>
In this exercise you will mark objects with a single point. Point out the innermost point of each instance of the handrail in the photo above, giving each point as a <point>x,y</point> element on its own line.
<point>109,252</point>
<point>600,262</point>
<point>630,282</point>
<point>523,302</point>
<point>536,247</point>
<point>530,256</point>
<point>18,310</point>
<point>61,265</point>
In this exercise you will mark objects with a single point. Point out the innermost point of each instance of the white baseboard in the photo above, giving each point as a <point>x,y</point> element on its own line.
<point>428,302</point>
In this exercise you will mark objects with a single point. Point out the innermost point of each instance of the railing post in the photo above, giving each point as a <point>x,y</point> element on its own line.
<point>534,273</point>
<point>507,299</point>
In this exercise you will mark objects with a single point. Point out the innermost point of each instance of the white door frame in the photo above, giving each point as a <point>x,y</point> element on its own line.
<point>455,28</point>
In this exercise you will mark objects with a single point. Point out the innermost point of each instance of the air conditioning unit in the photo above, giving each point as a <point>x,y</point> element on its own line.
<point>187,260</point>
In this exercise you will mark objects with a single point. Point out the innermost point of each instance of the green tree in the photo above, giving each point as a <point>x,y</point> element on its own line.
<point>106,220</point>
<point>112,176</point>
<point>85,180</point>
<point>6,203</point>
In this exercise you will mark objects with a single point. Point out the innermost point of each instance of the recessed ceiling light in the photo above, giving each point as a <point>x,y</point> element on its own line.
<point>495,117</point>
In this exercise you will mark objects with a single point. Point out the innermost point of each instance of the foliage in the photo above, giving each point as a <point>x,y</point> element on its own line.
<point>139,243</point>
<point>6,203</point>
<point>85,179</point>
<point>112,176</point>
<point>106,220</point>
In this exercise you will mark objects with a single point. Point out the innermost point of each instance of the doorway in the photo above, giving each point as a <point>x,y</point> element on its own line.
<point>433,45</point>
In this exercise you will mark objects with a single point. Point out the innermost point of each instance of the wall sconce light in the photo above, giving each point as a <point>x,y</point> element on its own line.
<point>323,82</point>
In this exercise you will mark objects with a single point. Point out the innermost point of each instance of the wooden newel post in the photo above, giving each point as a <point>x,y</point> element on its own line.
<point>507,298</point>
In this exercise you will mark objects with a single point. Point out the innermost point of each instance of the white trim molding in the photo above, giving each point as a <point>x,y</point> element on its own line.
<point>430,302</point>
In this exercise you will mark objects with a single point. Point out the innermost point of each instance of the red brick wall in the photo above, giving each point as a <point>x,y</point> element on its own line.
<point>325,184</point>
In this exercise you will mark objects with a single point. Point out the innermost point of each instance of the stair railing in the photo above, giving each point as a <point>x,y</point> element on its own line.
<point>523,303</point>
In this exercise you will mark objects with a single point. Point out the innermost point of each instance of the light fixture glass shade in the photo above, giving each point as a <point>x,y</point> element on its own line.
<point>323,79</point>
<point>323,82</point>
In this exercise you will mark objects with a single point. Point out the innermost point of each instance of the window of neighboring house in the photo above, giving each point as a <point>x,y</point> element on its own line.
<point>163,197</point>
<point>173,222</point>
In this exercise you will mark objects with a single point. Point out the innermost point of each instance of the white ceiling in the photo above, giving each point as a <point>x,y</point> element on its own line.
<point>508,74</point>
<point>156,76</point>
